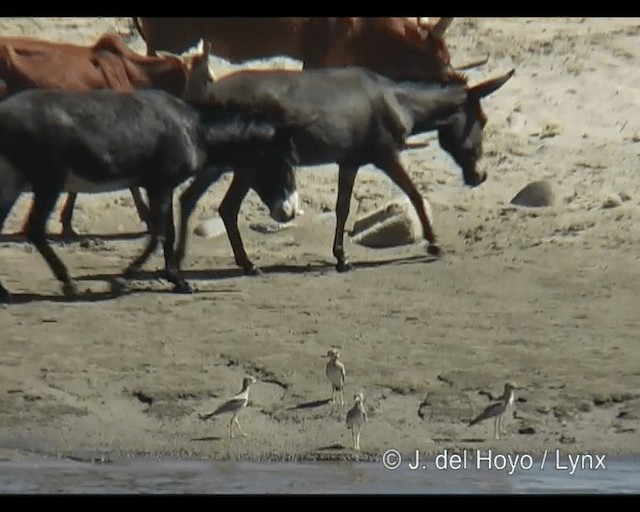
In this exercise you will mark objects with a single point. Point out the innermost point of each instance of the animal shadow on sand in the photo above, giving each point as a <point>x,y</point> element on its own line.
<point>86,297</point>
<point>120,288</point>
<point>58,238</point>
<point>234,272</point>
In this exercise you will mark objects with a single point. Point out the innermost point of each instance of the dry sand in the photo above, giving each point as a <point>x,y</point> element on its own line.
<point>547,297</point>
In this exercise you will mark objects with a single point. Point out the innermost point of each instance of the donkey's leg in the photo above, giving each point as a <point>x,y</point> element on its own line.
<point>44,200</point>
<point>11,184</point>
<point>5,296</point>
<point>229,209</point>
<point>68,233</point>
<point>394,169</point>
<point>170,262</point>
<point>188,200</point>
<point>346,178</point>
<point>7,200</point>
<point>141,206</point>
<point>156,231</point>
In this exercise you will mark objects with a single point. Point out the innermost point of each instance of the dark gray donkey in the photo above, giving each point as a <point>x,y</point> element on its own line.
<point>355,117</point>
<point>54,141</point>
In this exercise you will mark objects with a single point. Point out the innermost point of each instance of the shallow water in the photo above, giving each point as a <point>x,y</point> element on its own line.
<point>152,476</point>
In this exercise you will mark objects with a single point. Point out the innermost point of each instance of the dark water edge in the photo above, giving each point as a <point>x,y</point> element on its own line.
<point>164,476</point>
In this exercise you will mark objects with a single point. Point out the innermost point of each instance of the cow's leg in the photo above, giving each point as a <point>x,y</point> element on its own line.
<point>229,209</point>
<point>44,201</point>
<point>68,233</point>
<point>394,169</point>
<point>188,200</point>
<point>346,178</point>
<point>141,206</point>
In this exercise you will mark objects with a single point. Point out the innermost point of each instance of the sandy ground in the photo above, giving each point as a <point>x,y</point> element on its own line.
<point>546,297</point>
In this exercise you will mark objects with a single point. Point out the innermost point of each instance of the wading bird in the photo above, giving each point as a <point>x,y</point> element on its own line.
<point>233,405</point>
<point>496,410</point>
<point>356,418</point>
<point>336,374</point>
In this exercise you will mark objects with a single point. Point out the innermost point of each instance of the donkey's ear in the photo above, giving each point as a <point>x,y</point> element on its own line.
<point>487,87</point>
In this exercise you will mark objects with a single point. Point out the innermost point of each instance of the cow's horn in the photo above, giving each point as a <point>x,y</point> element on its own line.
<point>441,26</point>
<point>472,64</point>
<point>164,53</point>
<point>487,87</point>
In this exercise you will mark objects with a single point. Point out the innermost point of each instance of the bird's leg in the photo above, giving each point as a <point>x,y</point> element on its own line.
<point>231,428</point>
<point>242,432</point>
<point>496,427</point>
<point>358,441</point>
<point>341,398</point>
<point>333,395</point>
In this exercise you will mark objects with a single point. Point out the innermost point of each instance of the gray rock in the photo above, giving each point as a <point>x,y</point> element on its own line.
<point>612,201</point>
<point>394,224</point>
<point>210,227</point>
<point>535,194</point>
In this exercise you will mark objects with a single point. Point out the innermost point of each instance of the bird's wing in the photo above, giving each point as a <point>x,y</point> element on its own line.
<point>233,404</point>
<point>489,412</point>
<point>205,415</point>
<point>342,372</point>
<point>351,416</point>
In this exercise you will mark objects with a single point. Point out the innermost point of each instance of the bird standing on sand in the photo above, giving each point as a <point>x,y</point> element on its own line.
<point>233,405</point>
<point>336,374</point>
<point>497,409</point>
<point>356,418</point>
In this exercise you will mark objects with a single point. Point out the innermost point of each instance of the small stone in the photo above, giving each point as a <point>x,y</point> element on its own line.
<point>535,194</point>
<point>210,227</point>
<point>612,201</point>
<point>394,224</point>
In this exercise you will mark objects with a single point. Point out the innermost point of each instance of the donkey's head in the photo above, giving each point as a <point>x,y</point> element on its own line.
<point>461,134</point>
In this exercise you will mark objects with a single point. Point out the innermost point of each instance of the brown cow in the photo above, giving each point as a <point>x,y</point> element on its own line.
<point>28,63</point>
<point>398,48</point>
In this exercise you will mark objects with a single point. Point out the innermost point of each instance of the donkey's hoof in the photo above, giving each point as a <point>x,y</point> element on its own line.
<point>70,289</point>
<point>252,270</point>
<point>182,287</point>
<point>130,273</point>
<point>434,250</point>
<point>118,286</point>
<point>69,235</point>
<point>344,266</point>
<point>5,296</point>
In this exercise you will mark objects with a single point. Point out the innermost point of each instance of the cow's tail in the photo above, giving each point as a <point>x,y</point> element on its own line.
<point>138,24</point>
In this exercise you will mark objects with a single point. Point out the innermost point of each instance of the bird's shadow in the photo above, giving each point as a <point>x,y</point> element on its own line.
<point>310,405</point>
<point>207,438</point>
<point>332,447</point>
